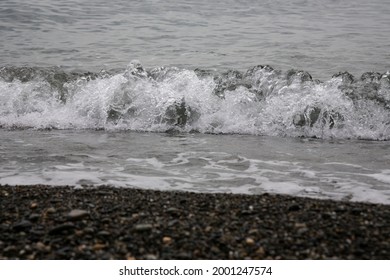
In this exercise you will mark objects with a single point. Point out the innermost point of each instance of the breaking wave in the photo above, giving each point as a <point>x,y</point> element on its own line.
<point>260,101</point>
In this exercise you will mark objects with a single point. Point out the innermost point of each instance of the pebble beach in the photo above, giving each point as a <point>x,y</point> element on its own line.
<point>47,222</point>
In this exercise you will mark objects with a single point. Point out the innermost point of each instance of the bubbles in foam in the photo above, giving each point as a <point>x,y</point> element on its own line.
<point>261,101</point>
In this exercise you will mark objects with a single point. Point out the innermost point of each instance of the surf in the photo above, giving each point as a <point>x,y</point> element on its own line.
<point>259,101</point>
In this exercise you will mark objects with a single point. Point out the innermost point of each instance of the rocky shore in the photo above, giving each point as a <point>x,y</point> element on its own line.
<point>45,222</point>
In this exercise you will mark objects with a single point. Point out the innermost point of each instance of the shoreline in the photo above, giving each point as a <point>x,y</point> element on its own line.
<point>49,222</point>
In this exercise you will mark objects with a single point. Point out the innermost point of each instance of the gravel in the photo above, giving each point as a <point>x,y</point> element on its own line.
<point>46,222</point>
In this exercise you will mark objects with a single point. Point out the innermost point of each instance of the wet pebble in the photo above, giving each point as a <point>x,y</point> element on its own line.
<point>150,257</point>
<point>50,210</point>
<point>34,217</point>
<point>167,240</point>
<point>294,207</point>
<point>60,229</point>
<point>33,205</point>
<point>98,246</point>
<point>104,233</point>
<point>143,227</point>
<point>249,241</point>
<point>42,247</point>
<point>22,225</point>
<point>77,214</point>
<point>173,211</point>
<point>89,230</point>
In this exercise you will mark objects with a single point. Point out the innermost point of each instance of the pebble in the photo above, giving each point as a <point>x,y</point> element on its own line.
<point>150,257</point>
<point>34,217</point>
<point>249,241</point>
<point>22,225</point>
<point>98,246</point>
<point>50,210</point>
<point>42,247</point>
<point>173,211</point>
<point>143,227</point>
<point>106,221</point>
<point>302,230</point>
<point>253,231</point>
<point>135,216</point>
<point>5,193</point>
<point>82,247</point>
<point>294,207</point>
<point>208,229</point>
<point>300,225</point>
<point>33,205</point>
<point>103,233</point>
<point>260,251</point>
<point>167,240</point>
<point>10,249</point>
<point>356,211</point>
<point>214,249</point>
<point>89,230</point>
<point>61,229</point>
<point>172,223</point>
<point>77,214</point>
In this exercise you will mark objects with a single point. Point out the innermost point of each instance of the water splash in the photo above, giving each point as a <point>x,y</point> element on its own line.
<point>260,101</point>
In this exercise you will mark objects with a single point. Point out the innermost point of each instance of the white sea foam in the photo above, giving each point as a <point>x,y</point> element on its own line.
<point>262,102</point>
<point>384,176</point>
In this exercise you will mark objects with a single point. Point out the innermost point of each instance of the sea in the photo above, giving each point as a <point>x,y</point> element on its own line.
<point>245,96</point>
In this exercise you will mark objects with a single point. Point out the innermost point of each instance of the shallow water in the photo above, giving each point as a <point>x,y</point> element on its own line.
<point>341,170</point>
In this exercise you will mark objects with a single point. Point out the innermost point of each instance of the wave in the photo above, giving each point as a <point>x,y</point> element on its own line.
<point>259,101</point>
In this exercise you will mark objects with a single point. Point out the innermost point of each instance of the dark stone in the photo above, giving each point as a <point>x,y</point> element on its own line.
<point>104,233</point>
<point>22,225</point>
<point>173,223</point>
<point>326,216</point>
<point>34,217</point>
<point>3,227</point>
<point>173,211</point>
<point>62,229</point>
<point>294,207</point>
<point>356,211</point>
<point>143,227</point>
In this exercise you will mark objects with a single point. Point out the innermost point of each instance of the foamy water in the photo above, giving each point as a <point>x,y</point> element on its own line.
<point>259,101</point>
<point>340,170</point>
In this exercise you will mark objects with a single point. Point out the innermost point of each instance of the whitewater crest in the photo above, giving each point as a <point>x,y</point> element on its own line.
<point>259,101</point>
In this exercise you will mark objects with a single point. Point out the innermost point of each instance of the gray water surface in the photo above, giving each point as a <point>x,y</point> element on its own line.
<point>319,36</point>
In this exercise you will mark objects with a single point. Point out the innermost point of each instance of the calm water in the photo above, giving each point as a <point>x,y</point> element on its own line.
<point>319,36</point>
<point>166,95</point>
